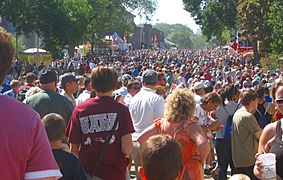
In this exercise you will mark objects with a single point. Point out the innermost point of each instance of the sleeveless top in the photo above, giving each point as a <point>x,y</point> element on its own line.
<point>277,148</point>
<point>189,149</point>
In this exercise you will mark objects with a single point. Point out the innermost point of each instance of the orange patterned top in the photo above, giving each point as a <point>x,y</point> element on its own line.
<point>194,167</point>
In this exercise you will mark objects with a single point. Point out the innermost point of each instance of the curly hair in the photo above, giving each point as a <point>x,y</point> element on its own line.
<point>6,53</point>
<point>180,105</point>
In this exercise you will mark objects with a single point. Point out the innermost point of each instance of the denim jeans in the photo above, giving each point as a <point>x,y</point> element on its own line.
<point>224,157</point>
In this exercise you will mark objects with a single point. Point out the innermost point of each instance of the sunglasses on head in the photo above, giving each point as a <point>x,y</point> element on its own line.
<point>279,101</point>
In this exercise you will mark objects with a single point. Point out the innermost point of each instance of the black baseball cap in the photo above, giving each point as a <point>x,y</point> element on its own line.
<point>47,75</point>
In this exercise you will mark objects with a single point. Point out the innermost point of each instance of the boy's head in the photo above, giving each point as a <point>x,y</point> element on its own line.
<point>103,79</point>
<point>6,53</point>
<point>54,125</point>
<point>161,159</point>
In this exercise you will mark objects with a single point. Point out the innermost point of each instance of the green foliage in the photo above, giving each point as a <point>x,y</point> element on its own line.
<point>182,39</point>
<point>275,19</point>
<point>214,17</point>
<point>252,16</point>
<point>107,17</point>
<point>65,22</point>
<point>144,7</point>
<point>249,15</point>
<point>21,46</point>
<point>181,35</point>
<point>270,63</point>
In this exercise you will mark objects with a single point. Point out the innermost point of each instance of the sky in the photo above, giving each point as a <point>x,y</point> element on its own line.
<point>171,12</point>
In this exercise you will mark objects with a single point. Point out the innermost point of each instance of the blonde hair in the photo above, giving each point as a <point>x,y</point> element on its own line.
<point>180,105</point>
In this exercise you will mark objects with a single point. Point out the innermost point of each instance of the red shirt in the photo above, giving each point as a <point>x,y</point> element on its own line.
<point>89,126</point>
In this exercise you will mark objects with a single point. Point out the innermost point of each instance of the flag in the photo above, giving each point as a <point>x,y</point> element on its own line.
<point>236,43</point>
<point>125,38</point>
<point>155,38</point>
<point>235,46</point>
<point>119,41</point>
<point>115,40</point>
<point>244,54</point>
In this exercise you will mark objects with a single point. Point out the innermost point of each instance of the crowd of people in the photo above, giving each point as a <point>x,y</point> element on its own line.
<point>167,111</point>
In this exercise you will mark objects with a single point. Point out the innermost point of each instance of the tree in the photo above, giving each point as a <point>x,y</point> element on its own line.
<point>181,35</point>
<point>182,39</point>
<point>16,11</point>
<point>214,17</point>
<point>275,19</point>
<point>108,17</point>
<point>143,7</point>
<point>65,22</point>
<point>58,22</point>
<point>252,15</point>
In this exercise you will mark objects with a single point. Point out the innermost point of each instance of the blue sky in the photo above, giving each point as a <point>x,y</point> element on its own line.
<point>171,12</point>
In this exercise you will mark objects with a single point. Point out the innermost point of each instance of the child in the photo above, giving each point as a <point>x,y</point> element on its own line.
<point>239,177</point>
<point>69,164</point>
<point>161,159</point>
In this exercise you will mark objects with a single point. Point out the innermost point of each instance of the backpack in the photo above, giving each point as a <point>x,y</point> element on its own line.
<point>228,130</point>
<point>22,94</point>
<point>262,122</point>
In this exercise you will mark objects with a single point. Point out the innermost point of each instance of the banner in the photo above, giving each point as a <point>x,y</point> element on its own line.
<point>119,41</point>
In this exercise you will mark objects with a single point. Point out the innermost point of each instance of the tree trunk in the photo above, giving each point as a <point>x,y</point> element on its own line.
<point>71,50</point>
<point>256,53</point>
<point>92,47</point>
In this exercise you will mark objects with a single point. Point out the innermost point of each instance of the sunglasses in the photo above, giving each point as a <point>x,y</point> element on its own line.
<point>279,101</point>
<point>136,88</point>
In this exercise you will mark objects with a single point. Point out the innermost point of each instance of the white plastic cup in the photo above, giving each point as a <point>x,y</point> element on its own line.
<point>268,165</point>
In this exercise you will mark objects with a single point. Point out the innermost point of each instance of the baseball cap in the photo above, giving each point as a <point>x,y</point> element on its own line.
<point>150,76</point>
<point>67,78</point>
<point>126,77</point>
<point>198,85</point>
<point>47,75</point>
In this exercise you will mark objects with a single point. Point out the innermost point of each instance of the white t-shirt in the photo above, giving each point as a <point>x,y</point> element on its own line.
<point>83,97</point>
<point>145,107</point>
<point>128,99</point>
<point>197,98</point>
<point>201,115</point>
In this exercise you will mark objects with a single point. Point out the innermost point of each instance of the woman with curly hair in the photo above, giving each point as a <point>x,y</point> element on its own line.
<point>179,109</point>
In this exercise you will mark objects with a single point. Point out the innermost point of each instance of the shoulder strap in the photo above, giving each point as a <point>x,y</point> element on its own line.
<point>259,112</point>
<point>268,106</point>
<point>236,108</point>
<point>278,128</point>
<point>226,110</point>
<point>104,148</point>
<point>233,112</point>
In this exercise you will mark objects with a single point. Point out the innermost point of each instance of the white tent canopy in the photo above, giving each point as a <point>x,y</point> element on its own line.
<point>34,50</point>
<point>226,47</point>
